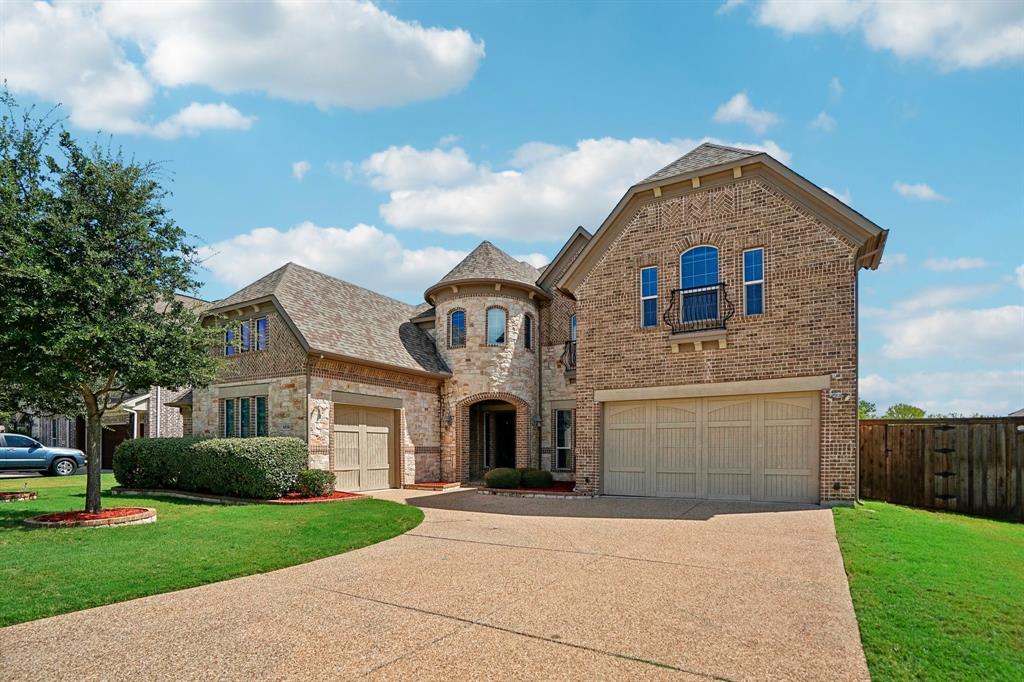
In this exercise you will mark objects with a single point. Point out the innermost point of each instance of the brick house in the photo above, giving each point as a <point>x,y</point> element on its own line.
<point>701,343</point>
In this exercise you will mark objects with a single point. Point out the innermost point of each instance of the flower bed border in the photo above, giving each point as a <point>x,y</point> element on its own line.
<point>147,515</point>
<point>18,495</point>
<point>216,499</point>
<point>535,492</point>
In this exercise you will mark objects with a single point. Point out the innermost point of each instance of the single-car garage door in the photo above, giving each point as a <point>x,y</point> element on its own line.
<point>362,445</point>
<point>748,447</point>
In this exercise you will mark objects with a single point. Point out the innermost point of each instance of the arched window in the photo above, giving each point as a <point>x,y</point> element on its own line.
<point>528,331</point>
<point>698,278</point>
<point>496,318</point>
<point>457,329</point>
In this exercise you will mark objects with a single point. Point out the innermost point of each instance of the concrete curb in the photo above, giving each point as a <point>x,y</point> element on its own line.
<point>18,496</point>
<point>147,515</point>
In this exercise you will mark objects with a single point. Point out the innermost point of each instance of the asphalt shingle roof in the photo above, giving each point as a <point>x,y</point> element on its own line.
<point>337,317</point>
<point>487,261</point>
<point>704,156</point>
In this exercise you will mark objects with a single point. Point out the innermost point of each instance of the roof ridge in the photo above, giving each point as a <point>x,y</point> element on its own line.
<point>347,283</point>
<point>751,152</point>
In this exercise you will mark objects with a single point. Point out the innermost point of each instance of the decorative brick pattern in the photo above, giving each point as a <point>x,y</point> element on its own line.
<point>808,327</point>
<point>284,355</point>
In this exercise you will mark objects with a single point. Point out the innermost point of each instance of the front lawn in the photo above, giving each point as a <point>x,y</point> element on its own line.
<point>46,572</point>
<point>938,596</point>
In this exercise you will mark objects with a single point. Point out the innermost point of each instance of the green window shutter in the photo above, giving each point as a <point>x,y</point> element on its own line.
<point>261,416</point>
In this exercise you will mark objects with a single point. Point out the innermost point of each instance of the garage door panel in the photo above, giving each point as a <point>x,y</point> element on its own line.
<point>741,447</point>
<point>362,445</point>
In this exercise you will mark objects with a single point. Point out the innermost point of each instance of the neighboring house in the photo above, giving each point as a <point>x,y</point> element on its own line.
<point>702,343</point>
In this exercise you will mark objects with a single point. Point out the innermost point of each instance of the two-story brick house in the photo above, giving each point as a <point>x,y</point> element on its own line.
<point>701,343</point>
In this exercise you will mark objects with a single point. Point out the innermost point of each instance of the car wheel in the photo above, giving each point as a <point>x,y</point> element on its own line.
<point>64,467</point>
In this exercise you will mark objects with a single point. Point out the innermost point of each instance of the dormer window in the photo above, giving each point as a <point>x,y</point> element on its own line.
<point>246,336</point>
<point>262,339</point>
<point>457,329</point>
<point>496,322</point>
<point>229,341</point>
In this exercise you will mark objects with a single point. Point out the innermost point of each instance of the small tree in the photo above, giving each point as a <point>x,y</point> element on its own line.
<point>903,411</point>
<point>90,263</point>
<point>866,410</point>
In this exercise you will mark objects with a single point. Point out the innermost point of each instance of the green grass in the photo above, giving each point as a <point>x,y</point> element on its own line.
<point>938,596</point>
<point>44,572</point>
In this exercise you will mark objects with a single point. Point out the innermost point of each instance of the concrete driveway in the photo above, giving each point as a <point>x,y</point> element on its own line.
<point>498,588</point>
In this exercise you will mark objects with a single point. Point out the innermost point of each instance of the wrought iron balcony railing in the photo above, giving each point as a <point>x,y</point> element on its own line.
<point>568,358</point>
<point>699,309</point>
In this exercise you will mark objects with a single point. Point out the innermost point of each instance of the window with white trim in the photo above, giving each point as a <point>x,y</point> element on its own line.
<point>246,336</point>
<point>496,319</point>
<point>262,338</point>
<point>229,341</point>
<point>753,282</point>
<point>457,329</point>
<point>649,296</point>
<point>563,440</point>
<point>572,329</point>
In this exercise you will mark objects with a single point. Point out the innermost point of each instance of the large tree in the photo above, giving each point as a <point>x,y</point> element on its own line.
<point>903,411</point>
<point>90,262</point>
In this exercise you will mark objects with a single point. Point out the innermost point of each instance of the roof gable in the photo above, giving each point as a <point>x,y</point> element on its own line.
<point>337,318</point>
<point>869,237</point>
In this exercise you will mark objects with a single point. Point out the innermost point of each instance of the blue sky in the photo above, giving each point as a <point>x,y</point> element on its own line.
<point>381,142</point>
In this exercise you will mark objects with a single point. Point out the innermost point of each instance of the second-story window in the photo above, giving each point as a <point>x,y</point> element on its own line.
<point>229,341</point>
<point>649,296</point>
<point>572,329</point>
<point>246,333</point>
<point>528,331</point>
<point>753,282</point>
<point>457,329</point>
<point>261,334</point>
<point>698,278</point>
<point>496,318</point>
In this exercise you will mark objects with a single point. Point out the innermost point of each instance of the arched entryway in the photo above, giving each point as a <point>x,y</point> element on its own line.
<point>493,432</point>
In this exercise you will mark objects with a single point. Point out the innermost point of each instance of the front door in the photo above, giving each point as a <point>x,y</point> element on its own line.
<point>505,440</point>
<point>362,445</point>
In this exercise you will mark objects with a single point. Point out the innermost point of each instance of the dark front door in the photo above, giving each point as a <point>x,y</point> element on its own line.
<point>505,441</point>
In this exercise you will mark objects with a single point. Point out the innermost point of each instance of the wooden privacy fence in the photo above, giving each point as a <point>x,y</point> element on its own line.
<point>973,466</point>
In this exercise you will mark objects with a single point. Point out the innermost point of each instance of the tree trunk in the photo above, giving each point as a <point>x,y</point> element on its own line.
<point>94,452</point>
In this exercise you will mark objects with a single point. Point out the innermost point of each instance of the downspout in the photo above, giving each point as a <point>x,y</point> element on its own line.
<point>156,429</point>
<point>856,381</point>
<point>540,390</point>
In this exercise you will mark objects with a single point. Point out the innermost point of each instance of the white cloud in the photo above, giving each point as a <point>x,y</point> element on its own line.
<point>835,87</point>
<point>197,117</point>
<point>552,190</point>
<point>937,297</point>
<point>919,191</point>
<point>398,167</point>
<point>332,54</point>
<point>537,260</point>
<point>953,34</point>
<point>1019,271</point>
<point>892,261</point>
<point>363,255</point>
<point>994,393</point>
<point>300,168</point>
<point>824,122</point>
<point>948,264</point>
<point>739,110</point>
<point>989,334</point>
<point>448,140</point>
<point>343,169</point>
<point>729,6</point>
<point>843,196</point>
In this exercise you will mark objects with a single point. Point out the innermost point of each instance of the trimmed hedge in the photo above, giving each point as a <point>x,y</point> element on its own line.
<point>256,468</point>
<point>315,483</point>
<point>503,478</point>
<point>537,478</point>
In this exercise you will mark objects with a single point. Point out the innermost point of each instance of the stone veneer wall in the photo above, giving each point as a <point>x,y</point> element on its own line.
<point>808,329</point>
<point>419,417</point>
<point>482,372</point>
<point>286,406</point>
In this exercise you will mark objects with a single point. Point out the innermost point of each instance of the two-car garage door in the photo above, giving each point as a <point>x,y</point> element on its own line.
<point>747,447</point>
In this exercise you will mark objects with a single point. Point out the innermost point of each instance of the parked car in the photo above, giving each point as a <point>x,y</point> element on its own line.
<point>21,453</point>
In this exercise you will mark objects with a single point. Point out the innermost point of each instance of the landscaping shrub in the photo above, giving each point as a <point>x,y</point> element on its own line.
<point>537,478</point>
<point>151,462</point>
<point>257,468</point>
<point>315,483</point>
<point>502,478</point>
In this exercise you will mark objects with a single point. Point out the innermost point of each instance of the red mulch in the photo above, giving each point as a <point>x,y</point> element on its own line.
<point>115,513</point>
<point>295,498</point>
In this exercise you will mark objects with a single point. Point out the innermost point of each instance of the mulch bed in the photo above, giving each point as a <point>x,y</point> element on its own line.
<point>295,498</point>
<point>18,495</point>
<point>115,516</point>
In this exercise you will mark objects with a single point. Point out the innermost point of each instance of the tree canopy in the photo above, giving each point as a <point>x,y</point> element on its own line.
<point>90,267</point>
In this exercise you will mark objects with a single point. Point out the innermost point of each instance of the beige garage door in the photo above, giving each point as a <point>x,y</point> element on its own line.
<point>758,447</point>
<point>362,447</point>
